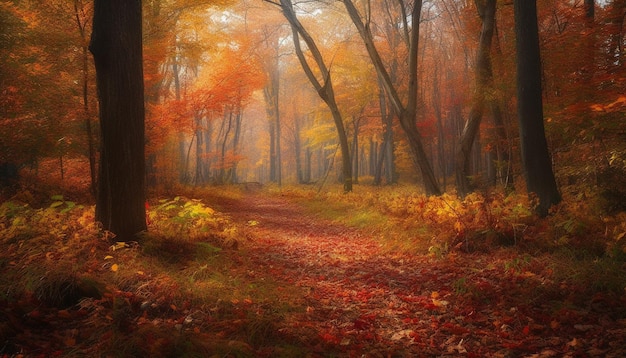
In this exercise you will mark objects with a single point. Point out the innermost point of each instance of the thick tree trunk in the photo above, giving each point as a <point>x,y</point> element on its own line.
<point>535,156</point>
<point>116,46</point>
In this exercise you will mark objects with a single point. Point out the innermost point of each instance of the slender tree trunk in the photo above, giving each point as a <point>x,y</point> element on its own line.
<point>372,157</point>
<point>502,163</point>
<point>386,158</point>
<point>298,149</point>
<point>440,132</point>
<point>279,162</point>
<point>208,131</point>
<point>535,155</point>
<point>325,90</point>
<point>116,46</point>
<point>199,177</point>
<point>272,168</point>
<point>183,175</point>
<point>407,113</point>
<point>91,146</point>
<point>236,140</point>
<point>355,150</point>
<point>308,158</point>
<point>484,84</point>
<point>222,175</point>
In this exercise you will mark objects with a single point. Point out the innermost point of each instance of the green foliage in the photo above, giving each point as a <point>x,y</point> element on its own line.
<point>61,204</point>
<point>191,220</point>
<point>62,220</point>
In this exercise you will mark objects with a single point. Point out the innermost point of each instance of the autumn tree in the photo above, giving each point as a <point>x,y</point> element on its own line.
<point>116,47</point>
<point>271,45</point>
<point>406,111</point>
<point>535,156</point>
<point>483,92</point>
<point>323,86</point>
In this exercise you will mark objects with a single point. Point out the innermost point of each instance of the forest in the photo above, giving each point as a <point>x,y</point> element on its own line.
<point>315,178</point>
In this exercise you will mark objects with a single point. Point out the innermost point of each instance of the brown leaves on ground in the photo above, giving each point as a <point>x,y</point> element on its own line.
<point>362,300</point>
<point>297,286</point>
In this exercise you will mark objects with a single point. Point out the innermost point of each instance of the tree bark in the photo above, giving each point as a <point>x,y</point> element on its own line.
<point>116,43</point>
<point>535,156</point>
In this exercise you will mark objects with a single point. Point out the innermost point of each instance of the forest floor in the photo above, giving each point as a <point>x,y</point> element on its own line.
<point>297,284</point>
<point>361,299</point>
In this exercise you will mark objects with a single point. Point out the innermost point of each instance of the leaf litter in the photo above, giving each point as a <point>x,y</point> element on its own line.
<point>362,300</point>
<point>334,292</point>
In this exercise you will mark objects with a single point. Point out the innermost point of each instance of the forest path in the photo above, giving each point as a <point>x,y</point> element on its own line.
<point>358,298</point>
<point>361,301</point>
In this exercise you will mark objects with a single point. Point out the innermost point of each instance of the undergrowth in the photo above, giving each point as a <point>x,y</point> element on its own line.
<point>69,289</point>
<point>582,244</point>
<point>185,288</point>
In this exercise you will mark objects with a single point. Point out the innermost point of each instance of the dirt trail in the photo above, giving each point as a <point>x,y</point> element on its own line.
<point>361,300</point>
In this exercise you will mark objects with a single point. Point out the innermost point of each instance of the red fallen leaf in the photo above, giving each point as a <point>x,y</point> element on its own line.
<point>360,324</point>
<point>454,329</point>
<point>513,345</point>
<point>526,330</point>
<point>329,338</point>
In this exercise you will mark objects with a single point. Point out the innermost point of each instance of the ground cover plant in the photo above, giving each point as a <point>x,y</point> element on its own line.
<point>293,272</point>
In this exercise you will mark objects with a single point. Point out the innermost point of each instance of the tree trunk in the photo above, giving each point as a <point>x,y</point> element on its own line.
<point>208,131</point>
<point>271,93</point>
<point>297,144</point>
<point>441,153</point>
<point>502,164</point>
<point>272,168</point>
<point>484,84</point>
<point>91,146</point>
<point>199,177</point>
<point>405,112</point>
<point>236,139</point>
<point>325,90</point>
<point>535,156</point>
<point>307,165</point>
<point>116,46</point>
<point>222,175</point>
<point>355,150</point>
